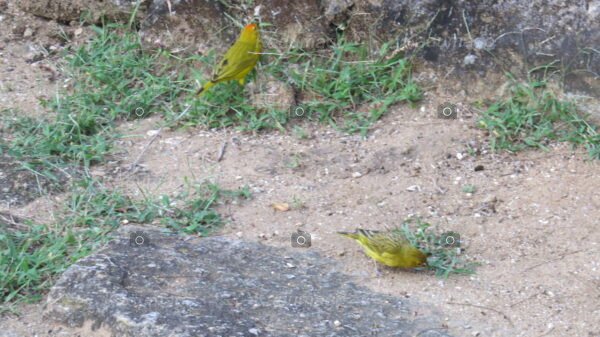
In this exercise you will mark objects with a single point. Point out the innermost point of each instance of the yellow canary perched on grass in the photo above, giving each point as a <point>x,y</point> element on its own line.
<point>390,248</point>
<point>239,60</point>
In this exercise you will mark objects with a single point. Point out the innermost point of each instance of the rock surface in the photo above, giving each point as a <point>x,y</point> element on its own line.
<point>174,286</point>
<point>194,26</point>
<point>468,39</point>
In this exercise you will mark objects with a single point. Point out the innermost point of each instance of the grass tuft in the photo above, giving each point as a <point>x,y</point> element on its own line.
<point>533,117</point>
<point>445,253</point>
<point>347,87</point>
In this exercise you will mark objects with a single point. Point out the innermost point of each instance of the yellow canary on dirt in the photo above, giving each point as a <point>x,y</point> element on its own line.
<point>390,248</point>
<point>239,60</point>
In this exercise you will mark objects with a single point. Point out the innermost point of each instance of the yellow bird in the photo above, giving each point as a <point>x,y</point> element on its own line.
<point>390,248</point>
<point>239,60</point>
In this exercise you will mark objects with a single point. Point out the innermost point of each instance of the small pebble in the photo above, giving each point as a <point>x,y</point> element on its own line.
<point>414,188</point>
<point>28,32</point>
<point>337,323</point>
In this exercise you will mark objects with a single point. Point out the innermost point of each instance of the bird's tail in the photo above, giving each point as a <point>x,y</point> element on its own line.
<point>350,235</point>
<point>205,87</point>
<point>358,233</point>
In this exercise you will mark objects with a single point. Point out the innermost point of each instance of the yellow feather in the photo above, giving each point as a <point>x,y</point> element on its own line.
<point>239,60</point>
<point>390,248</point>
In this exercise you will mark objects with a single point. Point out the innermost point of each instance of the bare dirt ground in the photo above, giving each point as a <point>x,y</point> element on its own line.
<point>532,221</point>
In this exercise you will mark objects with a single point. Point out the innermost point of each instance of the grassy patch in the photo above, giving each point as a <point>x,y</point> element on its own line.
<point>445,253</point>
<point>346,86</point>
<point>33,255</point>
<point>111,77</point>
<point>343,86</point>
<point>533,117</point>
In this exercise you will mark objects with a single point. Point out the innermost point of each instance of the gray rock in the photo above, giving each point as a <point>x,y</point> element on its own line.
<point>170,286</point>
<point>507,35</point>
<point>194,26</point>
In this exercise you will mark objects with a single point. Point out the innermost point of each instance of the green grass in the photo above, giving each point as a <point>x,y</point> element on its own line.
<point>110,78</point>
<point>444,250</point>
<point>33,255</point>
<point>343,86</point>
<point>469,188</point>
<point>533,117</point>
<point>346,87</point>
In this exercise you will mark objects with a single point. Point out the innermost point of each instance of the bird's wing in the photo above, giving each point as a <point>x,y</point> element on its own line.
<point>227,69</point>
<point>387,242</point>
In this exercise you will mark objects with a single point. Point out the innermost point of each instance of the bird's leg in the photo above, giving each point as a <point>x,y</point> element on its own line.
<point>377,271</point>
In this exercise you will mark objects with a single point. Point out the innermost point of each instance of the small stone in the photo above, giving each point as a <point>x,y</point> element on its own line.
<point>274,95</point>
<point>78,31</point>
<point>239,234</point>
<point>356,175</point>
<point>469,59</point>
<point>254,331</point>
<point>490,199</point>
<point>414,188</point>
<point>480,43</point>
<point>460,156</point>
<point>152,132</point>
<point>479,168</point>
<point>28,32</point>
<point>337,323</point>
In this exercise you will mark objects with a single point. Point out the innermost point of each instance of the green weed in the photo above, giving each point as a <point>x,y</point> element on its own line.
<point>469,188</point>
<point>533,117</point>
<point>443,249</point>
<point>347,87</point>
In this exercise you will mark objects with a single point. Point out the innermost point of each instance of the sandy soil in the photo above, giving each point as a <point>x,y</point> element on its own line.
<point>532,221</point>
